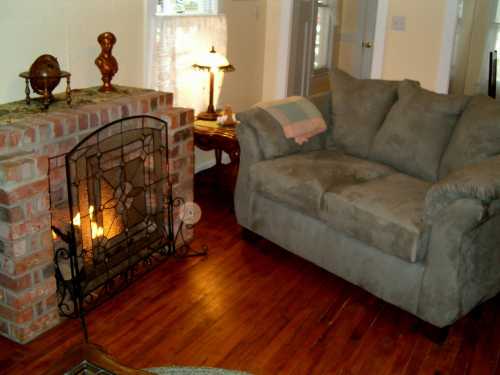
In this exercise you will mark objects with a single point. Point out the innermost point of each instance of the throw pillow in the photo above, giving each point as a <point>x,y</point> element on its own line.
<point>417,130</point>
<point>359,107</point>
<point>476,136</point>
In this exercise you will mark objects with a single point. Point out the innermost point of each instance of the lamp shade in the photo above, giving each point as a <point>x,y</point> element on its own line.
<point>213,61</point>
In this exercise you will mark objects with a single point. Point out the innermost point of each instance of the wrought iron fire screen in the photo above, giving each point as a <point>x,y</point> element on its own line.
<point>120,207</point>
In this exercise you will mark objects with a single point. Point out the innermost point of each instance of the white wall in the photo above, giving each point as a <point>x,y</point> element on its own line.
<point>258,44</point>
<point>417,52</point>
<point>246,24</point>
<point>277,48</point>
<point>68,29</point>
<point>422,52</point>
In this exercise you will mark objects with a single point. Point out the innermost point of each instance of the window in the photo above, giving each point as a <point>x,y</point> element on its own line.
<point>496,28</point>
<point>180,31</point>
<point>178,42</point>
<point>186,7</point>
<point>324,34</point>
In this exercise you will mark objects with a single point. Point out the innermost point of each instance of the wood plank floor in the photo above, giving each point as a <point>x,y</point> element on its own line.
<point>252,306</point>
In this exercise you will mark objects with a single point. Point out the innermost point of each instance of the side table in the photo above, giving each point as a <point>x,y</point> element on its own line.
<point>208,135</point>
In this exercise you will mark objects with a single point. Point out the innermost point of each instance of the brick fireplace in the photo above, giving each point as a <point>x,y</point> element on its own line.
<point>28,139</point>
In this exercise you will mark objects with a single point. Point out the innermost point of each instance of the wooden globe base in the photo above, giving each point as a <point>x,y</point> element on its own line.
<point>107,87</point>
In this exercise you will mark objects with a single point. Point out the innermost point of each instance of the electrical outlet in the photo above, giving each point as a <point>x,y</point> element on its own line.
<point>399,23</point>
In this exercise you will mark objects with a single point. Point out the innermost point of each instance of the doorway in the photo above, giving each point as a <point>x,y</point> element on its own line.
<point>477,38</point>
<point>327,34</point>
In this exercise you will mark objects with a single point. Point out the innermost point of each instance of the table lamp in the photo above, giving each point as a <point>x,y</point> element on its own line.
<point>212,62</point>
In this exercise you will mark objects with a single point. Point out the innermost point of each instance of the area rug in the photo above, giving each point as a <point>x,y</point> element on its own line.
<point>193,371</point>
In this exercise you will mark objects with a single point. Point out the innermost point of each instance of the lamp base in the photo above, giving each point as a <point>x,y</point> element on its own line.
<point>208,116</point>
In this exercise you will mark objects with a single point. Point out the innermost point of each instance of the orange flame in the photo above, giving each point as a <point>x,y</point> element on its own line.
<point>77,220</point>
<point>95,230</point>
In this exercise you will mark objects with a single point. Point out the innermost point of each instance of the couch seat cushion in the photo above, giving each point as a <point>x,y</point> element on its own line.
<point>385,212</point>
<point>417,130</point>
<point>300,180</point>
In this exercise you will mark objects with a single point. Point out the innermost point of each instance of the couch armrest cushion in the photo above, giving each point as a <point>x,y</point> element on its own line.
<point>476,136</point>
<point>323,101</point>
<point>417,130</point>
<point>480,181</point>
<point>359,107</point>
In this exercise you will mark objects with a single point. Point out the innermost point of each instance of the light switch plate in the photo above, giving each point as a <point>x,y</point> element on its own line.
<point>399,23</point>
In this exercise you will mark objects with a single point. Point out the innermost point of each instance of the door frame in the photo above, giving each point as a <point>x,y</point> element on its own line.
<point>447,45</point>
<point>379,39</point>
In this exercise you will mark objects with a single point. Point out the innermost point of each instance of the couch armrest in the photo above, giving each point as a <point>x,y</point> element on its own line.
<point>261,138</point>
<point>250,153</point>
<point>462,262</point>
<point>270,136</point>
<point>480,181</point>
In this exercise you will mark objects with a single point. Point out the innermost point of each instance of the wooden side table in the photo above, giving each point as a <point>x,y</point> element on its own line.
<point>208,135</point>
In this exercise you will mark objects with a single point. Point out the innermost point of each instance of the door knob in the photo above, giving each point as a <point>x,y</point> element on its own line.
<point>366,45</point>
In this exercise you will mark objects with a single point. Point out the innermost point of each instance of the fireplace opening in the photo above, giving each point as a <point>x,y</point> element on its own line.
<point>112,210</point>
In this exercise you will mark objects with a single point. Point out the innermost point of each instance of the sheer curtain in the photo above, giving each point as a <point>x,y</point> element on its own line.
<point>179,41</point>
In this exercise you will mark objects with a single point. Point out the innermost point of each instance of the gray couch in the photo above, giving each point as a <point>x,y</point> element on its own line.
<point>400,196</point>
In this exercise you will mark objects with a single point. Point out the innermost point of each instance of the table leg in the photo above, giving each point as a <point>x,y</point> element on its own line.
<point>218,157</point>
<point>234,156</point>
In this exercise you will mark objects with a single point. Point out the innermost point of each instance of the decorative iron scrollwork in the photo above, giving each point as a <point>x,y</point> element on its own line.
<point>121,210</point>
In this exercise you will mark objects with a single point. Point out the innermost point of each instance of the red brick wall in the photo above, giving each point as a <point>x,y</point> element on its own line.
<point>28,304</point>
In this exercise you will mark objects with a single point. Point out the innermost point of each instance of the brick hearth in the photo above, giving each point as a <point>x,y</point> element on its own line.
<point>28,138</point>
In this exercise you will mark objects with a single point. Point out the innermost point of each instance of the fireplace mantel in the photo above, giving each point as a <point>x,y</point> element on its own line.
<point>28,139</point>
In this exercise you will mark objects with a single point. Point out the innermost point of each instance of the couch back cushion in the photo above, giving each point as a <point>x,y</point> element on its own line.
<point>359,107</point>
<point>270,135</point>
<point>417,130</point>
<point>476,136</point>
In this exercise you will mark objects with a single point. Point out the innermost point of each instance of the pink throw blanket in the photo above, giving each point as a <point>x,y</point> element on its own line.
<point>299,118</point>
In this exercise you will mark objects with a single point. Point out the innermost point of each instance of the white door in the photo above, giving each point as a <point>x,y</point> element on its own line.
<point>355,34</point>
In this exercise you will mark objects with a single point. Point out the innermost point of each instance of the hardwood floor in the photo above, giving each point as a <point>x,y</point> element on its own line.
<point>252,306</point>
